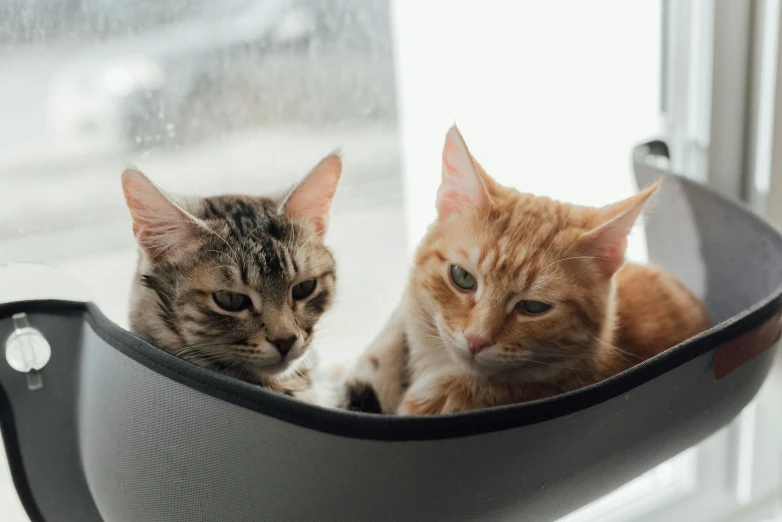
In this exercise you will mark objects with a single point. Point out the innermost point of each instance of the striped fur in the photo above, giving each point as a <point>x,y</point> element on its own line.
<point>605,315</point>
<point>255,246</point>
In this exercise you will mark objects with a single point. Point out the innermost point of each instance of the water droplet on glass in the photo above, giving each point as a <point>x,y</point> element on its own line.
<point>160,115</point>
<point>139,139</point>
<point>170,126</point>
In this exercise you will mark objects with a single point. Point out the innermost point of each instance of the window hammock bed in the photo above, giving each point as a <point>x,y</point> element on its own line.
<point>114,429</point>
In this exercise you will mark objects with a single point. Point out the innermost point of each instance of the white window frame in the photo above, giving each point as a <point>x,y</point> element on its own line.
<point>721,83</point>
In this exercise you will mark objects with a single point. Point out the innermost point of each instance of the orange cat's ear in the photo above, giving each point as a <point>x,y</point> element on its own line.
<point>462,190</point>
<point>608,241</point>
<point>311,199</point>
<point>162,228</point>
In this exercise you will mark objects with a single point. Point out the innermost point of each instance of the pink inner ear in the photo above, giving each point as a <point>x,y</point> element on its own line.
<point>311,199</point>
<point>612,258</point>
<point>160,226</point>
<point>461,189</point>
<point>608,242</point>
<point>316,214</point>
<point>450,153</point>
<point>319,224</point>
<point>452,201</point>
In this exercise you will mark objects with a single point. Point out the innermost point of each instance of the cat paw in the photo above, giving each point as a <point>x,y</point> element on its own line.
<point>362,397</point>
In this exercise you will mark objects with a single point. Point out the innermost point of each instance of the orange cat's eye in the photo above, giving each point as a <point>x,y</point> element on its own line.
<point>462,278</point>
<point>533,307</point>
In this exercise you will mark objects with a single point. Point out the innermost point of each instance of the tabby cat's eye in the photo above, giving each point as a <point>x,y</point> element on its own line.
<point>533,307</point>
<point>304,289</point>
<point>230,301</point>
<point>462,278</point>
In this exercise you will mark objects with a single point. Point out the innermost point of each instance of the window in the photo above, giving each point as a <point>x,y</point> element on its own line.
<point>245,96</point>
<point>205,97</point>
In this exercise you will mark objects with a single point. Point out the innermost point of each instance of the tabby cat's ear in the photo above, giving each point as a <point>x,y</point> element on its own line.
<point>162,228</point>
<point>608,241</point>
<point>462,190</point>
<point>311,199</point>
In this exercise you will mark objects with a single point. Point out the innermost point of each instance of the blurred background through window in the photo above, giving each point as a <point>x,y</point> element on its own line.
<point>245,96</point>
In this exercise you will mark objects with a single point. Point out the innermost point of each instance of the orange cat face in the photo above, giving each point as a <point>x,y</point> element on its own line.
<point>510,282</point>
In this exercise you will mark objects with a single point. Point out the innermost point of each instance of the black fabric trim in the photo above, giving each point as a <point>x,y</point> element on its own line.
<point>391,428</point>
<point>438,427</point>
<point>55,306</point>
<point>14,455</point>
<point>7,423</point>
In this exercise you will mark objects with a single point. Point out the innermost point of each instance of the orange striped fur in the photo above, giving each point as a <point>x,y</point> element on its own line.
<point>605,315</point>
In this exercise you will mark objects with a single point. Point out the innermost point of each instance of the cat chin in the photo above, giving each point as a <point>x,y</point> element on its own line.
<point>467,361</point>
<point>277,369</point>
<point>273,370</point>
<point>282,368</point>
<point>484,368</point>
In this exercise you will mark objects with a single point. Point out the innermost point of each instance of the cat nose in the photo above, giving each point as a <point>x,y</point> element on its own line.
<point>476,342</point>
<point>283,345</point>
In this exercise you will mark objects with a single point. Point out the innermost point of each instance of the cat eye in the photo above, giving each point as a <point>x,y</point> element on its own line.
<point>230,301</point>
<point>533,307</point>
<point>304,289</point>
<point>462,278</point>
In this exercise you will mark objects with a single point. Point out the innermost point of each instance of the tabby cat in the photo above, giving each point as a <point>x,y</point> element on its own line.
<point>514,297</point>
<point>236,283</point>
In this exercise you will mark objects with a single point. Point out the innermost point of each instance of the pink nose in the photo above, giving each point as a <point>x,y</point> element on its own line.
<point>476,342</point>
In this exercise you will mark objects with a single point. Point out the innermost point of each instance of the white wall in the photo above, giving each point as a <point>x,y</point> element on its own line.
<point>550,95</point>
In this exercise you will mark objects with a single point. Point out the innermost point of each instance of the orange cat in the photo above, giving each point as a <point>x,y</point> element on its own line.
<point>515,297</point>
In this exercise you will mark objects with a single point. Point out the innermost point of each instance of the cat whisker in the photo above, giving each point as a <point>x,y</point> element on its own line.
<point>434,337</point>
<point>248,236</point>
<point>234,365</point>
<point>243,368</point>
<point>298,372</point>
<point>199,349</point>
<point>428,326</point>
<point>621,351</point>
<point>554,365</point>
<point>426,323</point>
<point>559,353</point>
<point>558,233</point>
<point>291,235</point>
<point>472,225</point>
<point>219,252</point>
<point>569,258</point>
<point>221,238</point>
<point>219,266</point>
<point>307,242</point>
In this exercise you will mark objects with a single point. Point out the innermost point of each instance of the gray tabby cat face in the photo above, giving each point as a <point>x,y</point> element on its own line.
<point>235,283</point>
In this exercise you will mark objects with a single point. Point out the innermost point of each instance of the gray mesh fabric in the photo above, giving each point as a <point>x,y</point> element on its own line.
<point>156,450</point>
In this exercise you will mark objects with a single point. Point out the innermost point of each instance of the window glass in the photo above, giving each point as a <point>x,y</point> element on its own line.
<point>244,96</point>
<point>237,96</point>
